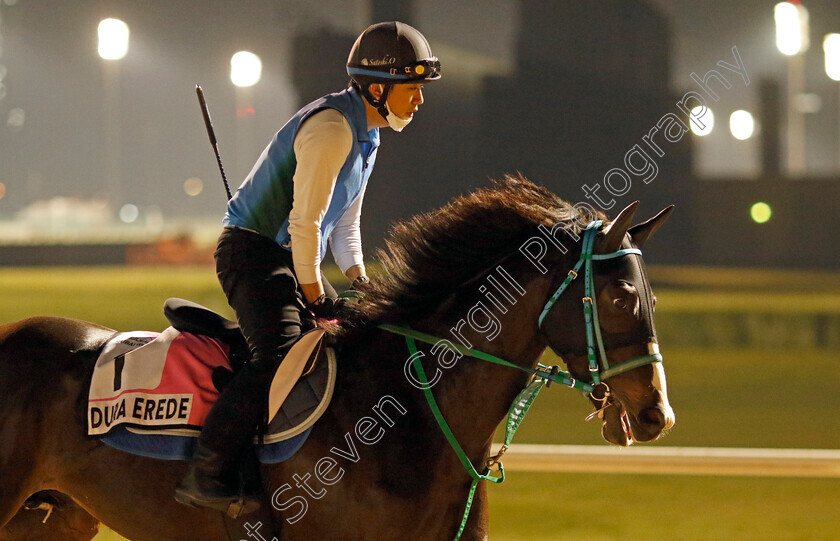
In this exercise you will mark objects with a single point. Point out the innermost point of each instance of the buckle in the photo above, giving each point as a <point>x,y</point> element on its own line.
<point>553,372</point>
<point>494,463</point>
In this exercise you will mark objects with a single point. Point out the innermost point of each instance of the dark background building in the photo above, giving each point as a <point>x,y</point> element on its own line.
<point>559,91</point>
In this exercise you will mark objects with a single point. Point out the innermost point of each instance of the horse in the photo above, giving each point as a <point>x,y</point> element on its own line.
<point>50,515</point>
<point>484,274</point>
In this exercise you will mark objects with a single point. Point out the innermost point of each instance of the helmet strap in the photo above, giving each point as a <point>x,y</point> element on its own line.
<point>381,103</point>
<point>376,103</point>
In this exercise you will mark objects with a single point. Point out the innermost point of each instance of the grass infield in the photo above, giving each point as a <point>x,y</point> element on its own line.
<point>723,397</point>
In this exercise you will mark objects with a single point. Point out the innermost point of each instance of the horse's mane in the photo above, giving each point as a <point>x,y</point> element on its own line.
<point>428,256</point>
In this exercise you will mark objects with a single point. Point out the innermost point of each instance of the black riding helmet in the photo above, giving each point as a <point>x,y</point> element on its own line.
<point>390,53</point>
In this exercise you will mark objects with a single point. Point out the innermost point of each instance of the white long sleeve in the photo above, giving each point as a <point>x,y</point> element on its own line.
<point>346,238</point>
<point>321,147</point>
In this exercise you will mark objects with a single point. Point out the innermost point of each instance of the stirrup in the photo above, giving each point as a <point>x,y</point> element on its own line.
<point>242,506</point>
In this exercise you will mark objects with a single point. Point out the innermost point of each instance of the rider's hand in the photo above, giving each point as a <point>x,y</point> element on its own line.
<point>327,308</point>
<point>360,283</point>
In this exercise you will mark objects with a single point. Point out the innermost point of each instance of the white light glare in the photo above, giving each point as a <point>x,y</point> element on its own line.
<point>129,213</point>
<point>708,120</point>
<point>807,103</point>
<point>113,39</point>
<point>831,46</point>
<point>16,118</point>
<point>741,124</point>
<point>245,69</point>
<point>193,186</point>
<point>791,28</point>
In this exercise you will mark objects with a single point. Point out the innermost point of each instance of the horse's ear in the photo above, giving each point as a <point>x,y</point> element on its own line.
<point>642,232</point>
<point>615,230</point>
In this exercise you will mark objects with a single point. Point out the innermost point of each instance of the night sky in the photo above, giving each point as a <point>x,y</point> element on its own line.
<point>52,74</point>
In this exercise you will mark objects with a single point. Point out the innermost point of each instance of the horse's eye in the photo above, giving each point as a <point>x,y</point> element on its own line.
<point>620,303</point>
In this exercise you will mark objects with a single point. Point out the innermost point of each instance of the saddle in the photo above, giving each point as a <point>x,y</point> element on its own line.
<point>299,362</point>
<point>150,392</point>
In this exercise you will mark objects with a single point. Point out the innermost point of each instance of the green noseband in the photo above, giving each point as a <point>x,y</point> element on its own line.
<point>597,372</point>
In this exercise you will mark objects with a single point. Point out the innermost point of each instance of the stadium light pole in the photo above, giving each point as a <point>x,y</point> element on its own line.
<point>831,47</point>
<point>792,40</point>
<point>245,72</point>
<point>113,46</point>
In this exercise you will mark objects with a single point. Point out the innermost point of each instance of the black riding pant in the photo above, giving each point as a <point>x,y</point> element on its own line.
<point>258,278</point>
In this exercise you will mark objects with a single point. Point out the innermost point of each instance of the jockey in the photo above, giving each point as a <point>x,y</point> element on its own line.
<point>305,189</point>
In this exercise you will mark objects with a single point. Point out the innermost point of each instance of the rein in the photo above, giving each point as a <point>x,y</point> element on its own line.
<point>542,375</point>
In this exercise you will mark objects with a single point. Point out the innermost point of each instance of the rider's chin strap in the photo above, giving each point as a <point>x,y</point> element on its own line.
<point>376,103</point>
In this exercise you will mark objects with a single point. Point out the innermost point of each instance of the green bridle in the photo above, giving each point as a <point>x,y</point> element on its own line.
<point>541,375</point>
<point>603,371</point>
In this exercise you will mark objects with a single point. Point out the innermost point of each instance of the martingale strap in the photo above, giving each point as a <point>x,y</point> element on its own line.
<point>450,437</point>
<point>516,414</point>
<point>542,375</point>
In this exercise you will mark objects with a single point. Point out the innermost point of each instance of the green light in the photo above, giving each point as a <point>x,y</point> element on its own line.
<point>760,212</point>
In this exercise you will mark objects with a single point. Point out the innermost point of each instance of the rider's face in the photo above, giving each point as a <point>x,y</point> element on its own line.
<point>405,99</point>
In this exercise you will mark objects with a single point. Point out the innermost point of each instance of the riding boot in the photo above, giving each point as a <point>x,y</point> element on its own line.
<point>213,480</point>
<point>208,484</point>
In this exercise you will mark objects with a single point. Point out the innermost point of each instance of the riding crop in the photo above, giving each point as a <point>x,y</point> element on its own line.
<point>212,134</point>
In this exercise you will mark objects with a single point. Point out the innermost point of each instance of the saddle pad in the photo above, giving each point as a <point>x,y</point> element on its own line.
<point>154,380</point>
<point>306,401</point>
<point>169,447</point>
<point>161,384</point>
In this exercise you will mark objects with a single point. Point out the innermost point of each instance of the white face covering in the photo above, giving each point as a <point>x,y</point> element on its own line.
<point>397,124</point>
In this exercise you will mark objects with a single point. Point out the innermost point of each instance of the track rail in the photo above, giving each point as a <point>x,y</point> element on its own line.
<point>674,460</point>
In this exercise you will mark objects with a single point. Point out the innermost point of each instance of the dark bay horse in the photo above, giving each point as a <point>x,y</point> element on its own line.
<point>50,515</point>
<point>479,272</point>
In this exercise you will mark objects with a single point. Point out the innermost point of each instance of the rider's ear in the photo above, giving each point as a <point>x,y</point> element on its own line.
<point>642,232</point>
<point>376,90</point>
<point>614,231</point>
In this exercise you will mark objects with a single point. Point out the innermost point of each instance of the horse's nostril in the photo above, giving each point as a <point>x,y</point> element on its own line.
<point>652,416</point>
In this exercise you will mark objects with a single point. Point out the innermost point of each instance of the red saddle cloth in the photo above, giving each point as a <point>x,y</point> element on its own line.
<point>155,381</point>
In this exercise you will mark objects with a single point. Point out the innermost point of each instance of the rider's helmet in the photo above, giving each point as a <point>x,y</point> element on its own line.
<point>390,53</point>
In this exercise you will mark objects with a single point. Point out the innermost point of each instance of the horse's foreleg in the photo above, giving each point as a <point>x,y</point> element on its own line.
<point>9,507</point>
<point>22,466</point>
<point>50,515</point>
<point>45,366</point>
<point>17,469</point>
<point>30,384</point>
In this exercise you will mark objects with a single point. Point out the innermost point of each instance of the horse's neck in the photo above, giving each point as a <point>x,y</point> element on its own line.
<point>475,395</point>
<point>381,429</point>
